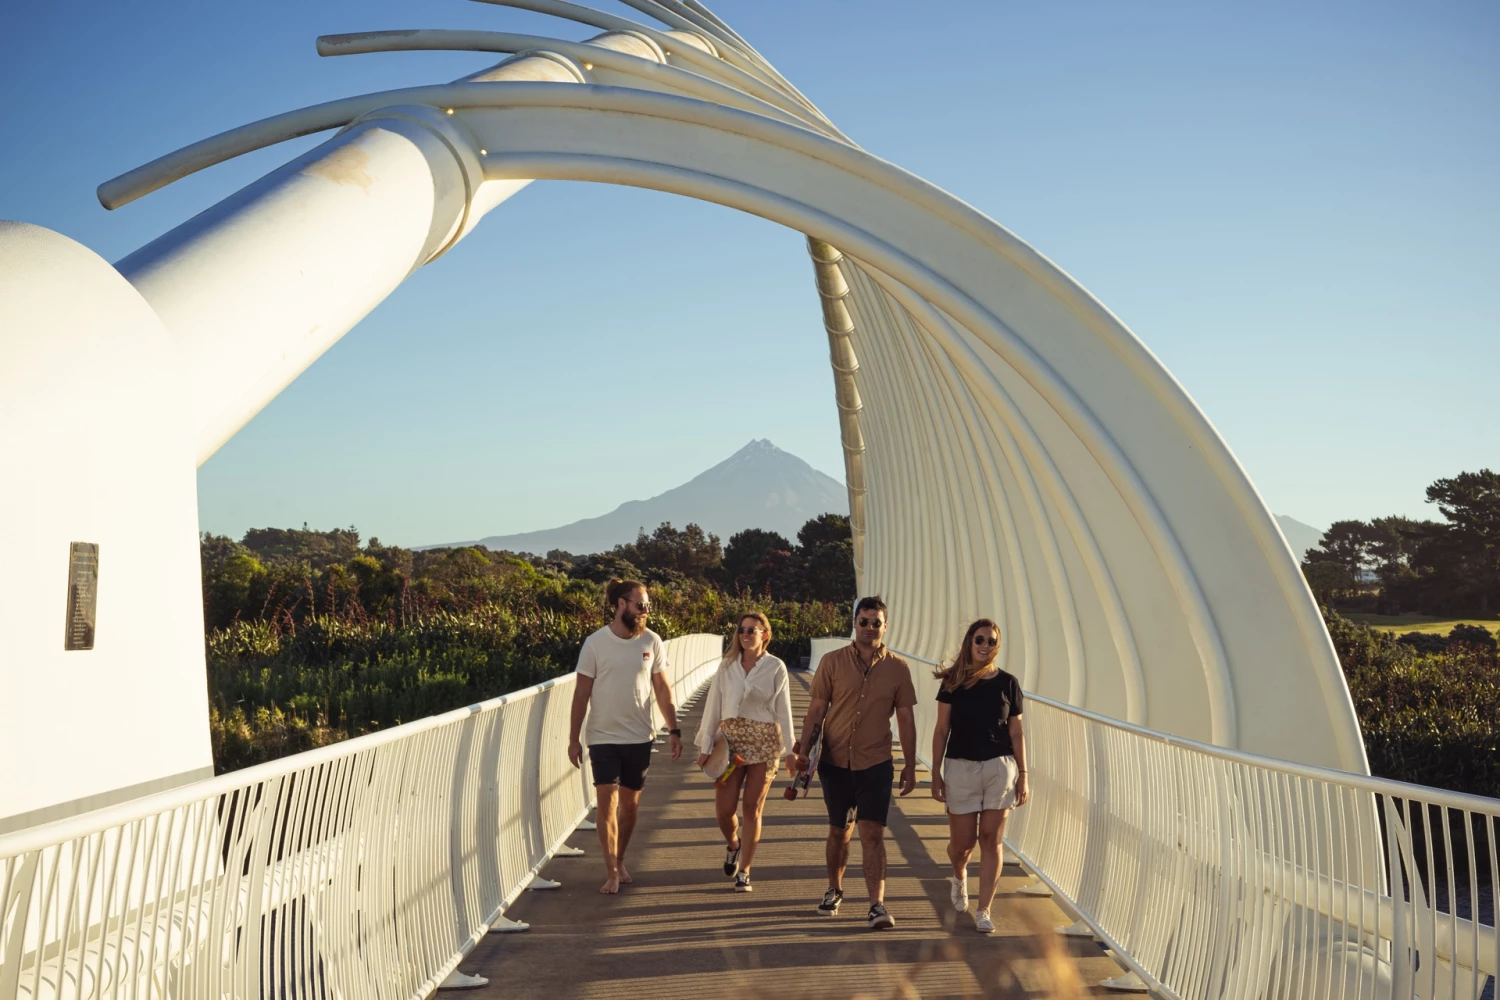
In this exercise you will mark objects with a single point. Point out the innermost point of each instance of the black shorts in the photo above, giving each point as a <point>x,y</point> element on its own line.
<point>865,793</point>
<point>622,764</point>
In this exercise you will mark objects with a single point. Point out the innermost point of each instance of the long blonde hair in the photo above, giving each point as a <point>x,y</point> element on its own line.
<point>964,672</point>
<point>733,651</point>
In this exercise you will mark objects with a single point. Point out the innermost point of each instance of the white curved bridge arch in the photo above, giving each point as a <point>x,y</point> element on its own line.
<point>1012,448</point>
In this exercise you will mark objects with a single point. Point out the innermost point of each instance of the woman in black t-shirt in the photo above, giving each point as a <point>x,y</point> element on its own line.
<point>978,762</point>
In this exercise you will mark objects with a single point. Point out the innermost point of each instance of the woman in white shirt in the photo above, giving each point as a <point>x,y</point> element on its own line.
<point>750,701</point>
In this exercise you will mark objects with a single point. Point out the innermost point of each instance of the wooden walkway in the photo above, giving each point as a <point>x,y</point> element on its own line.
<point>681,933</point>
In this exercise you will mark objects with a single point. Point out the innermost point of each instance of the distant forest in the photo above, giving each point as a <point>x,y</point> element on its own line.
<point>314,637</point>
<point>1397,565</point>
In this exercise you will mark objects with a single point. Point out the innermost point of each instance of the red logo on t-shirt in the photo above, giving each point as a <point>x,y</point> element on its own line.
<point>646,655</point>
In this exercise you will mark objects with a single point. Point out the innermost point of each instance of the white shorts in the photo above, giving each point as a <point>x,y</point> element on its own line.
<point>976,785</point>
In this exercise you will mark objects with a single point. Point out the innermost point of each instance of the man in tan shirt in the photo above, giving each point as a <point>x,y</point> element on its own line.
<point>854,694</point>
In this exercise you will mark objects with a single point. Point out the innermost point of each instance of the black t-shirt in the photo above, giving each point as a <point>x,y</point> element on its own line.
<point>978,727</point>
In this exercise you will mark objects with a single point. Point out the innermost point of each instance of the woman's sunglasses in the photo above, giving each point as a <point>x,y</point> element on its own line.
<point>749,629</point>
<point>980,640</point>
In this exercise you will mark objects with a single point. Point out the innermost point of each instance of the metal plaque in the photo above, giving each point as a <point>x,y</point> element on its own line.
<point>83,593</point>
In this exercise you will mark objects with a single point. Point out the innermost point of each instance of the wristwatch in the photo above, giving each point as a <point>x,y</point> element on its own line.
<point>675,732</point>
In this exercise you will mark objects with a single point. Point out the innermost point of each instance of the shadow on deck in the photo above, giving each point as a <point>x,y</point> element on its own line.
<point>681,933</point>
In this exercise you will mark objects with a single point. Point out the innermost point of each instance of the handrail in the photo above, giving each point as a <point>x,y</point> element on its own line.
<point>1213,872</point>
<point>367,867</point>
<point>1364,782</point>
<point>33,838</point>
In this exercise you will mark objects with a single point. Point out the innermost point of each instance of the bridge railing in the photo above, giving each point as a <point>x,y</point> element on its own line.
<point>360,870</point>
<point>1215,873</point>
<point>691,663</point>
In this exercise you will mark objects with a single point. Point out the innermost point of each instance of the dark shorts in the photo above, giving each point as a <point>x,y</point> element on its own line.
<point>622,764</point>
<point>866,793</point>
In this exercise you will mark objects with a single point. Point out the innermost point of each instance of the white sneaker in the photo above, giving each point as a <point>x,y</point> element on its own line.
<point>958,891</point>
<point>982,922</point>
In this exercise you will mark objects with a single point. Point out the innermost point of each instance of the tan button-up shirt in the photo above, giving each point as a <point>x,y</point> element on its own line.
<point>857,728</point>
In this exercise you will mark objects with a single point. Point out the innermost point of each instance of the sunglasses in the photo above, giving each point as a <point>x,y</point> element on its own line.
<point>980,640</point>
<point>749,629</point>
<point>871,623</point>
<point>644,609</point>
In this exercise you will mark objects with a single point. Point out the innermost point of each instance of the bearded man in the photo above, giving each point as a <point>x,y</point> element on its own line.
<point>619,668</point>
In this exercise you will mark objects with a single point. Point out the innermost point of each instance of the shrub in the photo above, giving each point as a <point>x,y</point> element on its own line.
<point>266,734</point>
<point>1432,718</point>
<point>1473,635</point>
<point>1425,642</point>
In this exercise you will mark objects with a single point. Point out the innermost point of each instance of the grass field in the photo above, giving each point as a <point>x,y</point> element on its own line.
<point>1421,623</point>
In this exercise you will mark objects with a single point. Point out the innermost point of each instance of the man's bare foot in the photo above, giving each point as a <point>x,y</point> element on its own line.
<point>625,878</point>
<point>611,885</point>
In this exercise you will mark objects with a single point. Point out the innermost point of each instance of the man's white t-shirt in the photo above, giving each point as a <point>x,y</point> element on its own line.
<point>620,706</point>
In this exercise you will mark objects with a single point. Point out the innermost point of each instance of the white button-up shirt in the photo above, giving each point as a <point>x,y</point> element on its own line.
<point>760,694</point>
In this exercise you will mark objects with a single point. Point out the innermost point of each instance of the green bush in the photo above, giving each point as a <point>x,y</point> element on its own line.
<point>1432,718</point>
<point>265,734</point>
<point>1473,635</point>
<point>1425,642</point>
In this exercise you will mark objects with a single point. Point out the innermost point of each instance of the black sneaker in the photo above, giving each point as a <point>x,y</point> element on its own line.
<point>732,861</point>
<point>742,883</point>
<point>880,920</point>
<point>830,905</point>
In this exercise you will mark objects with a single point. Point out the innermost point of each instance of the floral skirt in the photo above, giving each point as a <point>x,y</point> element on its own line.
<point>756,742</point>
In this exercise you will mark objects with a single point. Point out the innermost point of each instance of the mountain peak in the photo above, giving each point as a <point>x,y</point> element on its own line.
<point>759,486</point>
<point>759,460</point>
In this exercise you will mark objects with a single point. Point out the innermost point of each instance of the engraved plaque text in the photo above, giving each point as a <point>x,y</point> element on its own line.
<point>83,593</point>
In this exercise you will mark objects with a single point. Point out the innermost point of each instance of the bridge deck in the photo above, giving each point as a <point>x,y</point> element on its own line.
<point>681,933</point>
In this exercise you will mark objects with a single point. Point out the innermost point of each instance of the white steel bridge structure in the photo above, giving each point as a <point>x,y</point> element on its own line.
<point>1202,798</point>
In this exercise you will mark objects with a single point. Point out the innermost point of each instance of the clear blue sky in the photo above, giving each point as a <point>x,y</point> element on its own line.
<point>1294,205</point>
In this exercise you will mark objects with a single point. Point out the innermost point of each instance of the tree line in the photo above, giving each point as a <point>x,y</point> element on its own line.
<point>287,573</point>
<point>1399,565</point>
<point>819,566</point>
